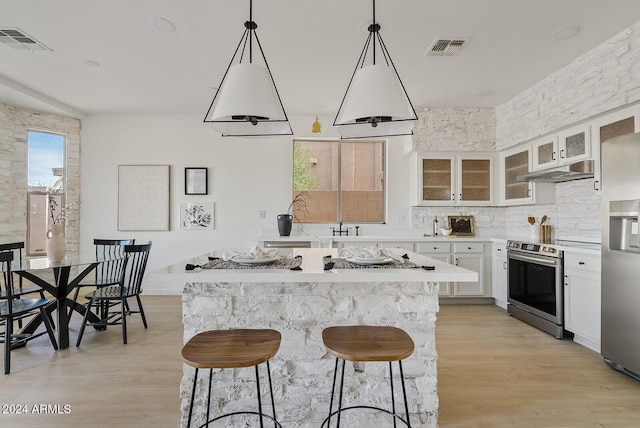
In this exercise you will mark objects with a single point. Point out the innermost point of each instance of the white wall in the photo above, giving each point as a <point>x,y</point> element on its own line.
<point>245,176</point>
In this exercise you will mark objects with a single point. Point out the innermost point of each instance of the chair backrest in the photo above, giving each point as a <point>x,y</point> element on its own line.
<point>137,256</point>
<point>15,248</point>
<point>6,282</point>
<point>111,272</point>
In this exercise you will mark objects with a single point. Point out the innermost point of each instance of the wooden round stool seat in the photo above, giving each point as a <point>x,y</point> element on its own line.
<point>368,343</point>
<point>232,349</point>
<point>224,349</point>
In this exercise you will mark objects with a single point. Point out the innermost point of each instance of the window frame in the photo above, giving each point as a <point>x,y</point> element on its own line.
<point>63,193</point>
<point>339,190</point>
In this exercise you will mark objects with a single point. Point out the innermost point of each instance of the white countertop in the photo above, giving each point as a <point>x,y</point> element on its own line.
<point>313,271</point>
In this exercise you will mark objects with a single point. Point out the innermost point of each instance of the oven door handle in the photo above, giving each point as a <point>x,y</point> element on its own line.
<point>534,260</point>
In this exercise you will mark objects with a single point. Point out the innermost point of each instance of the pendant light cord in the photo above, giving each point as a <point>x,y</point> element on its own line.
<point>250,32</point>
<point>374,26</point>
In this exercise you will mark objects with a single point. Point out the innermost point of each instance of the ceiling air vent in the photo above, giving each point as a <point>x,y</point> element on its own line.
<point>446,47</point>
<point>18,39</point>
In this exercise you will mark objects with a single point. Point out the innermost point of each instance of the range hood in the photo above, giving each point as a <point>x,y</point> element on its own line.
<point>575,171</point>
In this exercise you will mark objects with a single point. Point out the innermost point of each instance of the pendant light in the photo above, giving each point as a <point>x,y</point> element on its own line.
<point>315,127</point>
<point>247,102</point>
<point>376,103</point>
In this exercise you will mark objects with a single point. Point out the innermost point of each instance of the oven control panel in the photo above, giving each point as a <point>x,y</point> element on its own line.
<point>535,248</point>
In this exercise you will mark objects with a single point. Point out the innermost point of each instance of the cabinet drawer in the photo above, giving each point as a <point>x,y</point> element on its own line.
<point>583,262</point>
<point>468,247</point>
<point>433,247</point>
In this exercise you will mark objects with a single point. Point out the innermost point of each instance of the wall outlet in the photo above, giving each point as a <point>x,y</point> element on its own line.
<point>263,214</point>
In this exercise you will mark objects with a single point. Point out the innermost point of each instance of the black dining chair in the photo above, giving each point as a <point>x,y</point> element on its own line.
<point>130,286</point>
<point>21,289</point>
<point>109,272</point>
<point>12,309</point>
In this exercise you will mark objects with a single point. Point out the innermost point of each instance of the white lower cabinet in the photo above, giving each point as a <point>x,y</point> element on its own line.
<point>499,276</point>
<point>582,298</point>
<point>468,255</point>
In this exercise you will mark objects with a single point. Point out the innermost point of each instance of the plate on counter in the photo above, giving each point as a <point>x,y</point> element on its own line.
<point>265,261</point>
<point>370,260</point>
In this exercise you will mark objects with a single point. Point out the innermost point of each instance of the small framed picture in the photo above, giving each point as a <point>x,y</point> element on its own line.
<point>196,216</point>
<point>462,225</point>
<point>196,181</point>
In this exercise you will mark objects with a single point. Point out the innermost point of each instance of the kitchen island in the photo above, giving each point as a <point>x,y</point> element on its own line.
<point>300,304</point>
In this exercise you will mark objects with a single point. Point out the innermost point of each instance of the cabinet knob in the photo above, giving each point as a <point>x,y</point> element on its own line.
<point>595,185</point>
<point>504,265</point>
<point>499,249</point>
<point>562,154</point>
<point>468,248</point>
<point>580,263</point>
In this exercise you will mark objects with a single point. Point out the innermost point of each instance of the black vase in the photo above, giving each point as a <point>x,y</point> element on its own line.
<point>285,221</point>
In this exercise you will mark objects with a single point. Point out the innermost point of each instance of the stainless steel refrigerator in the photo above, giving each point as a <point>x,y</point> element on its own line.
<point>620,347</point>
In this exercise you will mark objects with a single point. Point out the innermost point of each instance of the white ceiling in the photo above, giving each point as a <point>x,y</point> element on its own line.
<point>311,45</point>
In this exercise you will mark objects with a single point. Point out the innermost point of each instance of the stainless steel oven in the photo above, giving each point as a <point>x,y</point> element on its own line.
<point>535,286</point>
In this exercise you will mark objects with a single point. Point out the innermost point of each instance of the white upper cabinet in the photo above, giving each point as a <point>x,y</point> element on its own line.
<point>545,152</point>
<point>515,162</point>
<point>568,146</point>
<point>447,179</point>
<point>618,124</point>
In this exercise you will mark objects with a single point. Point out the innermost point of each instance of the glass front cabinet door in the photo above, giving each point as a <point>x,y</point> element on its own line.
<point>455,180</point>
<point>514,163</point>
<point>571,145</point>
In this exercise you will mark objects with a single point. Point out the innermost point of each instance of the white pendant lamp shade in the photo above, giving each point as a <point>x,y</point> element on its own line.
<point>376,103</point>
<point>375,91</point>
<point>382,129</point>
<point>247,103</point>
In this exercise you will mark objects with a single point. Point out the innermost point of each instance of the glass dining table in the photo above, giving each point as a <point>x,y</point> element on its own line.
<point>58,279</point>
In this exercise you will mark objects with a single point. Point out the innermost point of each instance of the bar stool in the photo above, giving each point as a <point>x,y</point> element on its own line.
<point>223,349</point>
<point>367,343</point>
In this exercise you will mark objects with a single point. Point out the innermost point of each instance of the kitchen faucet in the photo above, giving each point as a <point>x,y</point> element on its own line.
<point>340,231</point>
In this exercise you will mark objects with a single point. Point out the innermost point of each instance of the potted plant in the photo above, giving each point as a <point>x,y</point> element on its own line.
<point>297,207</point>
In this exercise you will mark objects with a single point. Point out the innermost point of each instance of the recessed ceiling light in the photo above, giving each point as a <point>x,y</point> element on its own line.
<point>164,25</point>
<point>566,32</point>
<point>90,63</point>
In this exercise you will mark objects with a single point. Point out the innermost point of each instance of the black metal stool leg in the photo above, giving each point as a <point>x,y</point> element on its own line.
<point>393,399</point>
<point>259,398</point>
<point>341,389</point>
<point>193,394</point>
<point>404,393</point>
<point>209,396</point>
<point>333,392</point>
<point>273,404</point>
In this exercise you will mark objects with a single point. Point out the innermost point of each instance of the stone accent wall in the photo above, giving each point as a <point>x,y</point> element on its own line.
<point>603,79</point>
<point>302,370</point>
<point>454,129</point>
<point>14,124</point>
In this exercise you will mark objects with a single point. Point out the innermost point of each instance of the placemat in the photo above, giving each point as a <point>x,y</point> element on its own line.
<point>284,263</point>
<point>341,263</point>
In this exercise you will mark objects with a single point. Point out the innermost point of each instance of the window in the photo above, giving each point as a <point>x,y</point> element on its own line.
<point>45,175</point>
<point>339,181</point>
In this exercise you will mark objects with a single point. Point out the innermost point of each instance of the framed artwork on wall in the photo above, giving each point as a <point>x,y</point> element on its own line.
<point>196,215</point>
<point>462,225</point>
<point>196,181</point>
<point>143,197</point>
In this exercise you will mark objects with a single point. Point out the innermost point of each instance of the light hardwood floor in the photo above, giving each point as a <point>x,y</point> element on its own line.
<point>493,371</point>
